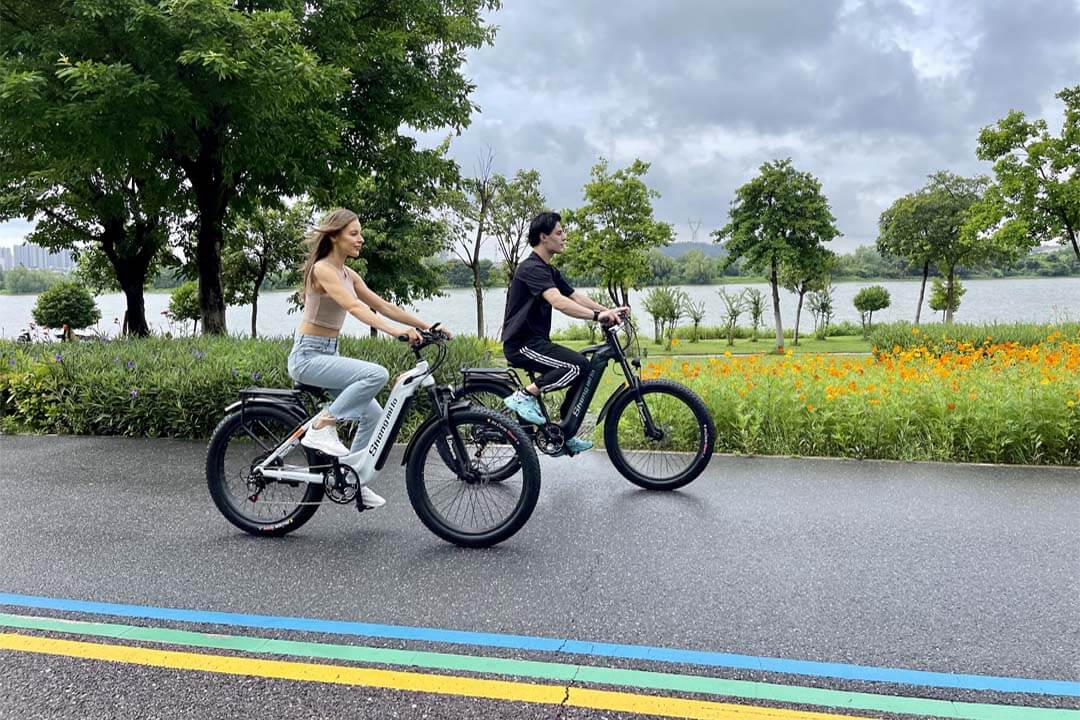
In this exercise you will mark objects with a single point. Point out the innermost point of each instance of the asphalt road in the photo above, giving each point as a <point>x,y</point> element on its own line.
<point>942,568</point>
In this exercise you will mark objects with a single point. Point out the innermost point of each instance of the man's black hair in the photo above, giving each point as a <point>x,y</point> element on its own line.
<point>544,223</point>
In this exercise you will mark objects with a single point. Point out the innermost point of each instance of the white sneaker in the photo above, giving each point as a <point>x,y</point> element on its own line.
<point>325,440</point>
<point>370,498</point>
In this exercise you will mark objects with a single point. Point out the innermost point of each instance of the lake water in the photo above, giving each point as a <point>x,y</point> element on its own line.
<point>1039,300</point>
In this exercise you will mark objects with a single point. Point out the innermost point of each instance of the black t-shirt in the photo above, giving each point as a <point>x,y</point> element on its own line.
<point>528,314</point>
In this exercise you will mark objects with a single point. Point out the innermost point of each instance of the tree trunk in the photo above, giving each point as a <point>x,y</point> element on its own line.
<point>255,300</point>
<point>949,297</point>
<point>135,314</point>
<point>775,284</point>
<point>211,295</point>
<point>479,303</point>
<point>213,191</point>
<point>130,271</point>
<point>254,314</point>
<point>798,318</point>
<point>922,290</point>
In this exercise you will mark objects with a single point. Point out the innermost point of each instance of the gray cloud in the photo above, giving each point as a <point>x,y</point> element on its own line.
<point>869,96</point>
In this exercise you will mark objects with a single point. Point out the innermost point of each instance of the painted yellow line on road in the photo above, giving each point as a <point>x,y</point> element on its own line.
<point>415,682</point>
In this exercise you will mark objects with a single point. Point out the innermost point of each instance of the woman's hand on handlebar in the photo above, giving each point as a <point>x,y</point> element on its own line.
<point>410,335</point>
<point>442,329</point>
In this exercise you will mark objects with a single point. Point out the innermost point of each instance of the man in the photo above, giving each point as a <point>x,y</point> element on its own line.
<point>526,334</point>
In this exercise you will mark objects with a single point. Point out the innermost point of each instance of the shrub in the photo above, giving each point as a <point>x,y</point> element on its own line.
<point>167,387</point>
<point>66,305</point>
<point>869,300</point>
<point>184,304</point>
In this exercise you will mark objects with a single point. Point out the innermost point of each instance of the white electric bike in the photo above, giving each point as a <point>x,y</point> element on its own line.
<point>266,483</point>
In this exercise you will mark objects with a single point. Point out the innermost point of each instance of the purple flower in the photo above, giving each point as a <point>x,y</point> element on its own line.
<point>11,362</point>
<point>256,375</point>
<point>134,392</point>
<point>235,372</point>
<point>130,364</point>
<point>57,358</point>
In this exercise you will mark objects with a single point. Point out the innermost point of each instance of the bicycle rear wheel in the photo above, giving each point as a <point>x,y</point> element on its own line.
<point>487,506</point>
<point>253,503</point>
<point>682,446</point>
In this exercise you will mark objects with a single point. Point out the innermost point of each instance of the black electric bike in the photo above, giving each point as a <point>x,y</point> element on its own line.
<point>658,434</point>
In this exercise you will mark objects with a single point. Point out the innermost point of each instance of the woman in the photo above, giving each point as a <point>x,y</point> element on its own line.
<point>330,290</point>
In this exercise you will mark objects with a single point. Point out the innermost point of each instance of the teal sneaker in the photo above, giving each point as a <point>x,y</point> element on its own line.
<point>527,408</point>
<point>577,445</point>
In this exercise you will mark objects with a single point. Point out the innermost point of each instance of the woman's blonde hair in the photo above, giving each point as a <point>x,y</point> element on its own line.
<point>318,239</point>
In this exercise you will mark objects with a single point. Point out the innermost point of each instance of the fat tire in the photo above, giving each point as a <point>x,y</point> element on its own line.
<point>215,480</point>
<point>704,450</point>
<point>429,440</point>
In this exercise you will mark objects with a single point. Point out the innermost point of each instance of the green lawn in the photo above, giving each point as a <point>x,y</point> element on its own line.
<point>839,344</point>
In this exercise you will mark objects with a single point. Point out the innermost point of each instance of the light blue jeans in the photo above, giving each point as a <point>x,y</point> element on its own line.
<point>352,383</point>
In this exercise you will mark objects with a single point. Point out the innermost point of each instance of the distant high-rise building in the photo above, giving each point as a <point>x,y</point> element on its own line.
<point>7,258</point>
<point>33,256</point>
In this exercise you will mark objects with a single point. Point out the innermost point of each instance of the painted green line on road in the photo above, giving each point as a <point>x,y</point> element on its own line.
<point>549,671</point>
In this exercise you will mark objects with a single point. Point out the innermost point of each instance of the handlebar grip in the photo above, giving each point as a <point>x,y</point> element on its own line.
<point>403,337</point>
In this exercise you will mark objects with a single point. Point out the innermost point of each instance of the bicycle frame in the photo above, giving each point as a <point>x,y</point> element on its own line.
<point>582,396</point>
<point>368,461</point>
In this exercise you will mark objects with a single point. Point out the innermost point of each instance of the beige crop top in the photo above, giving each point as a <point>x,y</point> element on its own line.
<point>322,310</point>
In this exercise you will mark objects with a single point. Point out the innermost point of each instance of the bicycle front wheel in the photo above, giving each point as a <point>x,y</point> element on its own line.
<point>253,503</point>
<point>680,445</point>
<point>487,506</point>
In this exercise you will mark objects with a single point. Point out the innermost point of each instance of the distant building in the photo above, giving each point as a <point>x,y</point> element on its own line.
<point>35,257</point>
<point>7,258</point>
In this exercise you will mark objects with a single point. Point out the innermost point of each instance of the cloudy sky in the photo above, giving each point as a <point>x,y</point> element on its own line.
<point>868,95</point>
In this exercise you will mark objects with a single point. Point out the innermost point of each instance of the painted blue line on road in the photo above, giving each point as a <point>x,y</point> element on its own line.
<point>573,647</point>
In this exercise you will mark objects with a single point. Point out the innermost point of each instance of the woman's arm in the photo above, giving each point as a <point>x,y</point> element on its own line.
<point>331,283</point>
<point>385,307</point>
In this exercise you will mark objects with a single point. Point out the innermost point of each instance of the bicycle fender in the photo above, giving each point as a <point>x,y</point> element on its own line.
<point>296,412</point>
<point>611,401</point>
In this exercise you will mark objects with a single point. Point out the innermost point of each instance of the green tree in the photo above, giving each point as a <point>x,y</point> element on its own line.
<point>615,229</point>
<point>734,306</point>
<point>944,299</point>
<point>696,312</point>
<point>667,306</point>
<point>754,302</point>
<point>1035,197</point>
<point>821,307</point>
<point>926,227</point>
<point>516,202</point>
<point>868,301</point>
<point>264,241</point>
<point>471,206</point>
<point>24,281</point>
<point>695,268</point>
<point>661,270</point>
<point>807,272</point>
<point>236,103</point>
<point>184,304</point>
<point>78,131</point>
<point>67,305</point>
<point>776,217</point>
<point>954,247</point>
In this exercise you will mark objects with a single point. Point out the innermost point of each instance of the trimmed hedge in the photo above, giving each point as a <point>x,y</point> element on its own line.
<point>168,387</point>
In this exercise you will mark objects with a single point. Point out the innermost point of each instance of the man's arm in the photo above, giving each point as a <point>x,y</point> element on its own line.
<point>583,299</point>
<point>567,305</point>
